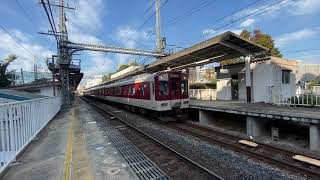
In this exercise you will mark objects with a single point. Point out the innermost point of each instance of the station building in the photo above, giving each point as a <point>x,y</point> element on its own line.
<point>266,76</point>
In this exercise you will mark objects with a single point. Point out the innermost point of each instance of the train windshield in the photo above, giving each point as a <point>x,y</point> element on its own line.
<point>163,88</point>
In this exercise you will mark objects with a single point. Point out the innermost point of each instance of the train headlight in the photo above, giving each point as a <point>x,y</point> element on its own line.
<point>164,104</point>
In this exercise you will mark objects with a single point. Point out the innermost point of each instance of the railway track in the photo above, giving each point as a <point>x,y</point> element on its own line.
<point>265,153</point>
<point>124,123</point>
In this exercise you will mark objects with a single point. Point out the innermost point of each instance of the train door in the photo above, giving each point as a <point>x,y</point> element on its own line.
<point>175,90</point>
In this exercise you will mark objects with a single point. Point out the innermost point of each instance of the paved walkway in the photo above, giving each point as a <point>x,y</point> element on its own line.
<point>71,146</point>
<point>308,115</point>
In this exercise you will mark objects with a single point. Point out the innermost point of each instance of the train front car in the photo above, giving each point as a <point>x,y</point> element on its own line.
<point>172,95</point>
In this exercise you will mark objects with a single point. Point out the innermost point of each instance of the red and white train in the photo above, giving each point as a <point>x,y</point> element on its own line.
<point>165,93</point>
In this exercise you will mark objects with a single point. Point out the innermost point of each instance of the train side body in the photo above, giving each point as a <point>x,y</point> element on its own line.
<point>157,92</point>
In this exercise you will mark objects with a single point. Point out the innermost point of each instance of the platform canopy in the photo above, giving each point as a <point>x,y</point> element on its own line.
<point>222,47</point>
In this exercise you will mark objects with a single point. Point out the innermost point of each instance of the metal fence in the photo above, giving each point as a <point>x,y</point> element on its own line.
<point>20,122</point>
<point>280,95</point>
<point>203,94</point>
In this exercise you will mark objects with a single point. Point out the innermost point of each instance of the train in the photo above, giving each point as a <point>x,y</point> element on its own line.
<point>163,94</point>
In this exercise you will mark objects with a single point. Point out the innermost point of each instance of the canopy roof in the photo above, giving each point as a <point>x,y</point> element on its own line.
<point>222,47</point>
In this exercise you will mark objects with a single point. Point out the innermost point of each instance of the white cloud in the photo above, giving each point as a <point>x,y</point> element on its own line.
<point>295,36</point>
<point>208,32</point>
<point>304,7</point>
<point>127,36</point>
<point>247,22</point>
<point>25,59</point>
<point>298,7</point>
<point>87,17</point>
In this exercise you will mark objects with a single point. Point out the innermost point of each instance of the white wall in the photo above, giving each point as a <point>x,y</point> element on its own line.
<point>262,76</point>
<point>48,91</point>
<point>242,86</point>
<point>224,89</point>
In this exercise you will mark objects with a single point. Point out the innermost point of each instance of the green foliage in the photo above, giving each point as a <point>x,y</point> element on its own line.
<point>121,67</point>
<point>106,77</point>
<point>263,40</point>
<point>133,62</point>
<point>259,38</point>
<point>211,85</point>
<point>4,77</point>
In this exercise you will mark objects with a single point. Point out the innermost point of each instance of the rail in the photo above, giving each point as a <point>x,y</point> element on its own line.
<point>20,122</point>
<point>152,138</point>
<point>265,153</point>
<point>203,94</point>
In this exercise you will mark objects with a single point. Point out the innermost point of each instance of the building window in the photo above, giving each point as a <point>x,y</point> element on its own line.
<point>285,76</point>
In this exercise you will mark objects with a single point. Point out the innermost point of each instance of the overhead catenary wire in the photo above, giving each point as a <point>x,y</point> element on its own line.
<point>49,19</point>
<point>17,42</point>
<point>236,11</point>
<point>204,4</point>
<point>23,10</point>
<point>54,24</point>
<point>143,24</point>
<point>257,12</point>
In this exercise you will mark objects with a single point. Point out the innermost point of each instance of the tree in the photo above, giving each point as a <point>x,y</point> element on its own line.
<point>106,77</point>
<point>122,67</point>
<point>133,62</point>
<point>4,77</point>
<point>209,74</point>
<point>262,39</point>
<point>259,38</point>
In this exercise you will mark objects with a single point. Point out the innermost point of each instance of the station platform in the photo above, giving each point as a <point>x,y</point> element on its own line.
<point>300,114</point>
<point>71,146</point>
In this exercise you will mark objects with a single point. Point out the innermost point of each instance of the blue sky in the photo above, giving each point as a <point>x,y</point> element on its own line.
<point>294,25</point>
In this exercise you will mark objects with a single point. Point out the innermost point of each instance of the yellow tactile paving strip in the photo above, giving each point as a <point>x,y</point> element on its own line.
<point>77,161</point>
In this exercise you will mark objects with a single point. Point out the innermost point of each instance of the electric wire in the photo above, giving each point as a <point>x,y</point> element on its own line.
<point>235,12</point>
<point>143,24</point>
<point>49,19</point>
<point>257,12</point>
<point>191,11</point>
<point>24,11</point>
<point>16,41</point>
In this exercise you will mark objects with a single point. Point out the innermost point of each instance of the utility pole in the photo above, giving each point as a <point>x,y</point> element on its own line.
<point>22,77</point>
<point>160,46</point>
<point>35,75</point>
<point>63,56</point>
<point>53,78</point>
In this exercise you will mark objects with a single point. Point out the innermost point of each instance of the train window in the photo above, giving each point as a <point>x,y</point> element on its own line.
<point>152,87</point>
<point>131,90</point>
<point>184,87</point>
<point>141,89</point>
<point>163,88</point>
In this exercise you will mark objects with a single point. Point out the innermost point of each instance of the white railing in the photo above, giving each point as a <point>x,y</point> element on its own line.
<point>203,94</point>
<point>20,122</point>
<point>280,95</point>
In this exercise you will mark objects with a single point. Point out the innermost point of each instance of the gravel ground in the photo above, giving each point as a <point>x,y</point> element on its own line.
<point>226,163</point>
<point>174,166</point>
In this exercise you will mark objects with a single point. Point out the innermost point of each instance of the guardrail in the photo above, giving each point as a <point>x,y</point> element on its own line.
<point>20,122</point>
<point>280,95</point>
<point>203,94</point>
